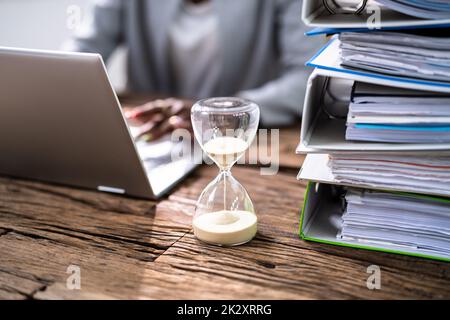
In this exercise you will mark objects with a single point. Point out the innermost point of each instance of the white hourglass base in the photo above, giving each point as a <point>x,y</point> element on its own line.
<point>225,228</point>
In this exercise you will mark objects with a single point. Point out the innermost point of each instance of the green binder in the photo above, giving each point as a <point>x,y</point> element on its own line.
<point>321,215</point>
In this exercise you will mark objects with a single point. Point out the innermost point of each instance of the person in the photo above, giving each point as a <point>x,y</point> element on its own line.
<point>201,48</point>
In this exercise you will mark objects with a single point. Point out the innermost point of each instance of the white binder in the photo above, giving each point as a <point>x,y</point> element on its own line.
<point>326,105</point>
<point>315,169</point>
<point>320,221</point>
<point>314,14</point>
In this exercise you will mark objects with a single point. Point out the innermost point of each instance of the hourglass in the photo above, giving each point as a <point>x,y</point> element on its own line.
<point>225,128</point>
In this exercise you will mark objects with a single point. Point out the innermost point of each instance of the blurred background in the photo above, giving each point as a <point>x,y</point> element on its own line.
<point>46,24</point>
<point>40,24</point>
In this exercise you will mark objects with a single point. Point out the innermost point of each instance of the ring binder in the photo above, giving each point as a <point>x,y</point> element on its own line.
<point>357,10</point>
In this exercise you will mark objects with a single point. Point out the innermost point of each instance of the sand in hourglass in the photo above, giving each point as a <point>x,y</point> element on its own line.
<point>225,227</point>
<point>225,150</point>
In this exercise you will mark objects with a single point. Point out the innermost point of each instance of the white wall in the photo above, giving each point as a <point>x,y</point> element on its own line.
<point>43,24</point>
<point>39,24</point>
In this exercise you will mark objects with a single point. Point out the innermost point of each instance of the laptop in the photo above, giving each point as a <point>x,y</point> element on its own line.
<point>61,122</point>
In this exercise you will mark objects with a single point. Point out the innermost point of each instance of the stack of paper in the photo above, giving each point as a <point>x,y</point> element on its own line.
<point>399,54</point>
<point>398,133</point>
<point>377,116</point>
<point>400,116</point>
<point>388,171</point>
<point>426,9</point>
<point>403,220</point>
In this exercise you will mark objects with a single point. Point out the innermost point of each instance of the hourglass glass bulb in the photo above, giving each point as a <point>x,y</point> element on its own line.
<point>224,213</point>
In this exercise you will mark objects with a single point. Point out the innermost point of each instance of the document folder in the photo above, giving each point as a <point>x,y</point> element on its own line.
<point>325,111</point>
<point>314,14</point>
<point>329,58</point>
<point>321,221</point>
<point>315,168</point>
<point>329,31</point>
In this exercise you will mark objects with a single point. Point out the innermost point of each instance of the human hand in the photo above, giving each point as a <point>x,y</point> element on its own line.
<point>159,117</point>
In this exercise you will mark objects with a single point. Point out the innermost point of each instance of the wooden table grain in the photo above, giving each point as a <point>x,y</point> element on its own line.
<point>138,249</point>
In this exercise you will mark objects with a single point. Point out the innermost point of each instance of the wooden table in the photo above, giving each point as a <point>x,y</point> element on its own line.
<point>139,249</point>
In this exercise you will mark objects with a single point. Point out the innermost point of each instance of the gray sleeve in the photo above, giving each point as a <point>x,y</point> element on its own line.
<point>101,31</point>
<point>281,100</point>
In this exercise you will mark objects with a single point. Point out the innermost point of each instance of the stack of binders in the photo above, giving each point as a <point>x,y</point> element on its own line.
<point>376,131</point>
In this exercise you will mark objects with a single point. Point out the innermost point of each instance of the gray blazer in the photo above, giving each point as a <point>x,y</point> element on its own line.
<point>262,41</point>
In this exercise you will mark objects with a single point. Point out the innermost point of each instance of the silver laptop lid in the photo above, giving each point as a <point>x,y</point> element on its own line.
<point>60,121</point>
